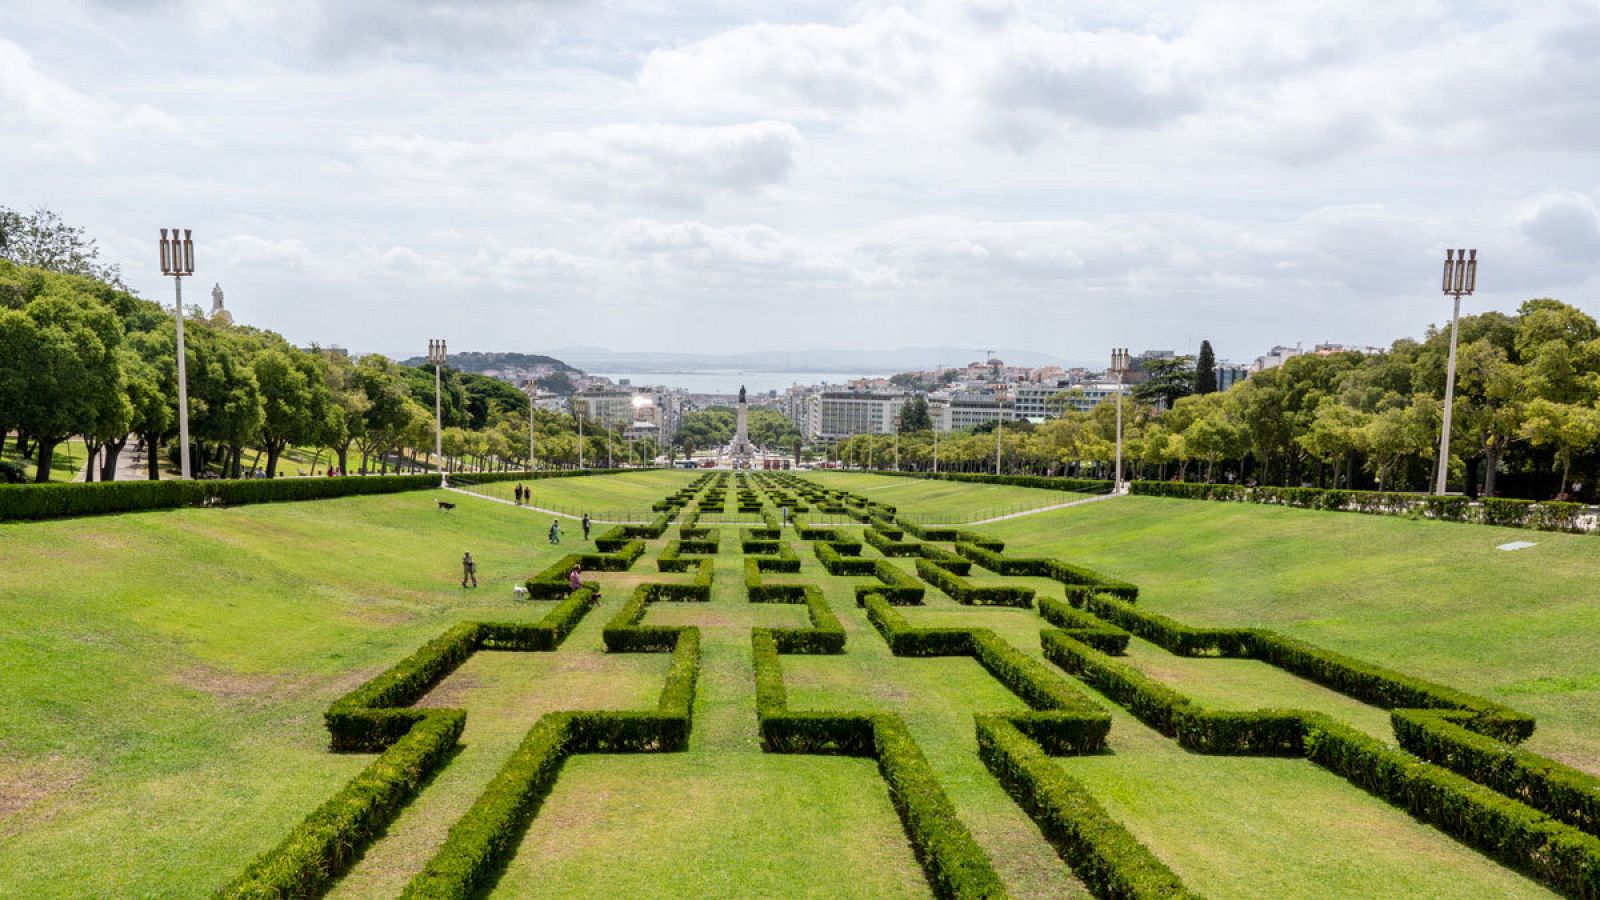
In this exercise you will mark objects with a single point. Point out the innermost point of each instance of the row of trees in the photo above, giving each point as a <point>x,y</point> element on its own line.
<point>1526,419</point>
<point>80,357</point>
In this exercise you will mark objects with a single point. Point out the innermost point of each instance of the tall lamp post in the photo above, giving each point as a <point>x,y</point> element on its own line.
<point>438,356</point>
<point>533,392</point>
<point>897,439</point>
<point>1119,365</point>
<point>177,260</point>
<point>580,416</point>
<point>1460,277</point>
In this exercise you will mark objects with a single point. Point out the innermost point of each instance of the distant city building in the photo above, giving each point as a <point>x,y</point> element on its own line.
<point>1037,401</point>
<point>832,415</point>
<point>609,407</point>
<point>1274,358</point>
<point>1230,374</point>
<point>958,410</point>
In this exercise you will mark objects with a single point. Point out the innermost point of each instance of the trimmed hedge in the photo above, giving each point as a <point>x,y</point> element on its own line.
<point>952,860</point>
<point>1539,515</point>
<point>825,635</point>
<point>1558,790</point>
<point>1167,633</point>
<point>963,591</point>
<point>1039,567</point>
<point>1100,635</point>
<point>1557,854</point>
<point>62,500</point>
<point>952,534</point>
<point>1101,852</point>
<point>551,582</point>
<point>624,634</point>
<point>889,545</point>
<point>1043,482</point>
<point>329,840</point>
<point>831,556</point>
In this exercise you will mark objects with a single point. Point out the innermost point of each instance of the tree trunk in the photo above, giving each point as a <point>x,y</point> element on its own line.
<point>93,450</point>
<point>152,457</point>
<point>344,458</point>
<point>47,452</point>
<point>113,450</point>
<point>274,448</point>
<point>1493,469</point>
<point>256,462</point>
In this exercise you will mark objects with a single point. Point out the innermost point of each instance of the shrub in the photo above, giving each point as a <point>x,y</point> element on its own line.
<point>963,591</point>
<point>323,845</point>
<point>372,717</point>
<point>832,558</point>
<point>1049,483</point>
<point>1109,859</point>
<point>1542,783</point>
<point>1100,635</point>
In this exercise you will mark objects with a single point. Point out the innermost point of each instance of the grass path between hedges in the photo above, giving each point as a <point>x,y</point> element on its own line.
<point>947,502</point>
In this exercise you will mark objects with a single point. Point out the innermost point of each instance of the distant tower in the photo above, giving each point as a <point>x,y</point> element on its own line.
<point>218,314</point>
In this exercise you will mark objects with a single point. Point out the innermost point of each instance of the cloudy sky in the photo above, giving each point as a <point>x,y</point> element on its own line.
<point>744,174</point>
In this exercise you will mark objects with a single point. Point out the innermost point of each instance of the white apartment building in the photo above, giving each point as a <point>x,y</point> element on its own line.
<point>955,410</point>
<point>608,407</point>
<point>831,415</point>
<point>1274,358</point>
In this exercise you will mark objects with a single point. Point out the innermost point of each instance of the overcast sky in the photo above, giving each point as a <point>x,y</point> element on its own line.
<point>743,174</point>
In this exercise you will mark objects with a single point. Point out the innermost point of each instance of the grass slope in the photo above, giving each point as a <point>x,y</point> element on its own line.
<point>1431,598</point>
<point>943,501</point>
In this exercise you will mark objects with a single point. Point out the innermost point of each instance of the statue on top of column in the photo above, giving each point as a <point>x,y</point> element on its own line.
<point>741,393</point>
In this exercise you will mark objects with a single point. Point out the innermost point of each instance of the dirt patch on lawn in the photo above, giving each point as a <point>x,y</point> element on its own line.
<point>228,686</point>
<point>25,783</point>
<point>452,692</point>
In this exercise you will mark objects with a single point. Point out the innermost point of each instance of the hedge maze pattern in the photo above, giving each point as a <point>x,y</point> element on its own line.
<point>1457,765</point>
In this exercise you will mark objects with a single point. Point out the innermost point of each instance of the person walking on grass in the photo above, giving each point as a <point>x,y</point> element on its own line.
<point>469,569</point>
<point>517,491</point>
<point>586,526</point>
<point>555,531</point>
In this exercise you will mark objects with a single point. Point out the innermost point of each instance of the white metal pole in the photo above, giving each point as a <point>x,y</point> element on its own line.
<point>1449,402</point>
<point>936,448</point>
<point>183,386</point>
<point>580,435</point>
<point>438,426</point>
<point>530,430</point>
<point>1116,486</point>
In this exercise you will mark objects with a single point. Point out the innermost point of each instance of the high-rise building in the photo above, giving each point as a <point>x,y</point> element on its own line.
<point>831,415</point>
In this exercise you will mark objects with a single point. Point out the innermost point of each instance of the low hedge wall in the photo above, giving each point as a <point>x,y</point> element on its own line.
<point>1044,482</point>
<point>1539,515</point>
<point>1101,852</point>
<point>1100,635</point>
<point>329,840</point>
<point>951,859</point>
<point>825,635</point>
<point>1163,631</point>
<point>831,556</point>
<point>1040,567</point>
<point>62,500</point>
<point>1558,790</point>
<point>551,582</point>
<point>889,545</point>
<point>965,592</point>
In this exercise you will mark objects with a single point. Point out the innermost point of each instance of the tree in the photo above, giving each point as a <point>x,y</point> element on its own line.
<point>914,415</point>
<point>387,414</point>
<point>1205,370</point>
<point>64,369</point>
<point>42,240</point>
<point>1565,427</point>
<point>294,400</point>
<point>149,372</point>
<point>1165,381</point>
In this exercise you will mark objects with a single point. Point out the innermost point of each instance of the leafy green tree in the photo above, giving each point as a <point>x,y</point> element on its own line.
<point>294,400</point>
<point>1205,370</point>
<point>1564,427</point>
<point>914,415</point>
<point>1165,381</point>
<point>388,409</point>
<point>224,399</point>
<point>150,376</point>
<point>65,373</point>
<point>40,239</point>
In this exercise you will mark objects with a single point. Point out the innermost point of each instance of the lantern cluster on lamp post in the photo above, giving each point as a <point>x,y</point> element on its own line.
<point>1460,278</point>
<point>177,260</point>
<point>1119,365</point>
<point>438,356</point>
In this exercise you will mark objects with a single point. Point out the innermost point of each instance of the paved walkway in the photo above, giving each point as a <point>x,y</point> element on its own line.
<point>1032,512</point>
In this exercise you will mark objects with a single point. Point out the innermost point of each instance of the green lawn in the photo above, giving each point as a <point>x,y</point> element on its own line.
<point>626,494</point>
<point>1435,599</point>
<point>945,502</point>
<point>166,674</point>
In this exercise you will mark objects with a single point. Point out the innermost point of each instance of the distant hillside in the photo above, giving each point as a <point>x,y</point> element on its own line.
<point>478,362</point>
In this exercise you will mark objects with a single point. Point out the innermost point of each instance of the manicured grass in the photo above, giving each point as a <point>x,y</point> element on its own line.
<point>602,496</point>
<point>166,675</point>
<point>945,502</point>
<point>1434,599</point>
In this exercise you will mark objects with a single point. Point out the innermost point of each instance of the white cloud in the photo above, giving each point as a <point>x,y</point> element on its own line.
<point>666,165</point>
<point>45,117</point>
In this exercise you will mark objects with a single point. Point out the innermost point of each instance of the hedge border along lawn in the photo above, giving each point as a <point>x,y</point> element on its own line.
<point>969,594</point>
<point>1043,482</point>
<point>377,716</point>
<point>1539,515</point>
<point>552,580</point>
<point>952,860</point>
<point>21,502</point>
<point>1066,573</point>
<point>1542,820</point>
